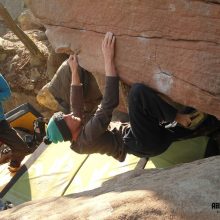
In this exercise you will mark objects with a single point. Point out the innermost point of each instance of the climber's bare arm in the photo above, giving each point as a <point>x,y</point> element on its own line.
<point>108,50</point>
<point>76,90</point>
<point>73,63</point>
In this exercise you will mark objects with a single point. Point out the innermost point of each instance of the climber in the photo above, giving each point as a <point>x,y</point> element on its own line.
<point>146,135</point>
<point>17,149</point>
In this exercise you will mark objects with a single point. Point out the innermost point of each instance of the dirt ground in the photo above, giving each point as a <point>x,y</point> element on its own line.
<point>24,75</point>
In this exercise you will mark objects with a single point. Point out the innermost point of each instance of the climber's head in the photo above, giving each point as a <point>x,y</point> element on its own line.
<point>62,127</point>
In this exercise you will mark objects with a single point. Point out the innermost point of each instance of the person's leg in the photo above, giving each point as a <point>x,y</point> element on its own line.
<point>151,104</point>
<point>19,148</point>
<point>146,112</point>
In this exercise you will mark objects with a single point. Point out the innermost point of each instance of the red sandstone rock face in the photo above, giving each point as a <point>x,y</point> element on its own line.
<point>170,45</point>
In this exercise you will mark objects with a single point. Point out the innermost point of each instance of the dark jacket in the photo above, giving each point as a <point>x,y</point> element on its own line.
<point>99,134</point>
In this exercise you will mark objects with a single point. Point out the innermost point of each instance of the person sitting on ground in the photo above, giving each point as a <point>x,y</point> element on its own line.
<point>18,148</point>
<point>144,136</point>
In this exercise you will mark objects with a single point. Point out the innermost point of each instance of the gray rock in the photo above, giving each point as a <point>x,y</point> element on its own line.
<point>35,75</point>
<point>27,21</point>
<point>184,192</point>
<point>3,57</point>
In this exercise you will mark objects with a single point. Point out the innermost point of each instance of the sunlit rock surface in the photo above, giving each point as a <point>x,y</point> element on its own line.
<point>170,45</point>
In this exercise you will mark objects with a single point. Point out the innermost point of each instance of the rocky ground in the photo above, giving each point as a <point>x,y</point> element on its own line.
<point>24,75</point>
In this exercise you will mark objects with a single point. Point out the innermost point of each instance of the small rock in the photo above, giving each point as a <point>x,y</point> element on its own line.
<point>36,91</point>
<point>34,61</point>
<point>29,87</point>
<point>40,36</point>
<point>27,21</point>
<point>12,67</point>
<point>6,45</point>
<point>35,75</point>
<point>15,59</point>
<point>3,57</point>
<point>1,43</point>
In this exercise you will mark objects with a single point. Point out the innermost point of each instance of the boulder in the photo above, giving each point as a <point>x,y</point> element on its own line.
<point>54,61</point>
<point>170,45</point>
<point>189,191</point>
<point>45,98</point>
<point>27,21</point>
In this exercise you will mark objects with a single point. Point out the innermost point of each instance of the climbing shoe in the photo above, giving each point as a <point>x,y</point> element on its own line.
<point>14,166</point>
<point>196,119</point>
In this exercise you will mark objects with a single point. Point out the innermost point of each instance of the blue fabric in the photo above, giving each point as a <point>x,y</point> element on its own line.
<point>5,93</point>
<point>53,133</point>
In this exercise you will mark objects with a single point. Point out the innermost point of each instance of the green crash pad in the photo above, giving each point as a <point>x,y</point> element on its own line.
<point>45,174</point>
<point>97,169</point>
<point>56,170</point>
<point>184,151</point>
